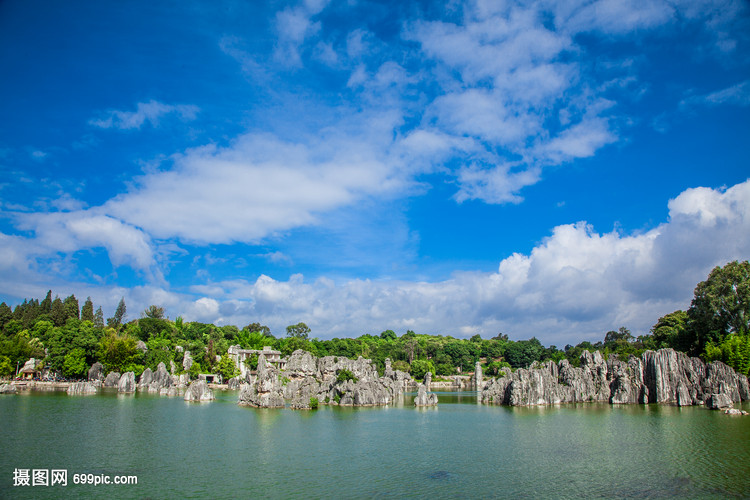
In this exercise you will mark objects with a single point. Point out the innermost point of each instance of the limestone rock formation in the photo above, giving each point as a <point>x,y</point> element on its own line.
<point>96,372</point>
<point>267,391</point>
<point>306,377</point>
<point>301,364</point>
<point>145,379</point>
<point>663,376</point>
<point>172,367</point>
<point>161,379</point>
<point>8,389</point>
<point>428,380</point>
<point>141,346</point>
<point>198,391</point>
<point>718,401</point>
<point>233,383</point>
<point>478,382</point>
<point>187,361</point>
<point>80,388</point>
<point>425,398</point>
<point>169,391</point>
<point>112,379</point>
<point>126,384</point>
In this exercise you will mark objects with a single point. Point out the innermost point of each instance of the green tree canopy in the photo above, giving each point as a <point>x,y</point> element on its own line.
<point>300,330</point>
<point>721,305</point>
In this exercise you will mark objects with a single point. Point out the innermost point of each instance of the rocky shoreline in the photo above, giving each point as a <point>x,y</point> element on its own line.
<point>663,376</point>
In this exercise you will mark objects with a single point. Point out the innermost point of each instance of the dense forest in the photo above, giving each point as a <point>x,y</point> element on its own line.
<point>69,338</point>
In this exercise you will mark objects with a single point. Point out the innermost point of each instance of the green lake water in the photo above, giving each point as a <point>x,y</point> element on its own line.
<point>457,450</point>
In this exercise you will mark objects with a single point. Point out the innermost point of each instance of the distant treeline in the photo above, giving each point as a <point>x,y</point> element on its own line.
<point>70,338</point>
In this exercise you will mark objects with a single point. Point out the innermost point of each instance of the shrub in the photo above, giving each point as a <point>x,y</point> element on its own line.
<point>314,403</point>
<point>343,375</point>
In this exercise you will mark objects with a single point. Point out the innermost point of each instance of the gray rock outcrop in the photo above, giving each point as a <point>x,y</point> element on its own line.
<point>198,391</point>
<point>141,346</point>
<point>663,376</point>
<point>8,389</point>
<point>306,377</point>
<point>268,389</point>
<point>81,388</point>
<point>146,378</point>
<point>233,383</point>
<point>126,384</point>
<point>478,382</point>
<point>719,402</point>
<point>96,372</point>
<point>187,361</point>
<point>169,391</point>
<point>160,379</point>
<point>424,397</point>
<point>112,379</point>
<point>428,380</point>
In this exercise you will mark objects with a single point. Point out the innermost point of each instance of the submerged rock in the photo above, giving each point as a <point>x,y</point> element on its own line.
<point>198,391</point>
<point>80,388</point>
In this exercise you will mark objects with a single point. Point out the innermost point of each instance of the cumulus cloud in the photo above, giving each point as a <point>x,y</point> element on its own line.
<point>146,112</point>
<point>73,231</point>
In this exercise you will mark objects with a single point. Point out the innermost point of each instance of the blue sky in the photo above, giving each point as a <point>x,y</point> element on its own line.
<point>555,169</point>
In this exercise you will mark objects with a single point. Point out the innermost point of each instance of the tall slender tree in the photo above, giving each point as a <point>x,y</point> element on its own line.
<point>87,311</point>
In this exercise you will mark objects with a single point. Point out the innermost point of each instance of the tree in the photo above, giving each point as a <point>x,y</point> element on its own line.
<point>257,327</point>
<point>46,305</point>
<point>300,330</point>
<point>227,368</point>
<point>71,307</point>
<point>116,320</point>
<point>57,312</point>
<point>99,318</point>
<point>420,367</point>
<point>672,331</point>
<point>118,352</point>
<point>154,312</point>
<point>87,311</point>
<point>6,369</point>
<point>721,305</point>
<point>621,335</point>
<point>74,365</point>
<point>388,335</point>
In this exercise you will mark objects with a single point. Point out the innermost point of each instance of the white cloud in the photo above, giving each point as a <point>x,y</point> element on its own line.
<point>151,112</point>
<point>70,232</point>
<point>294,25</point>
<point>738,95</point>
<point>257,187</point>
<point>576,284</point>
